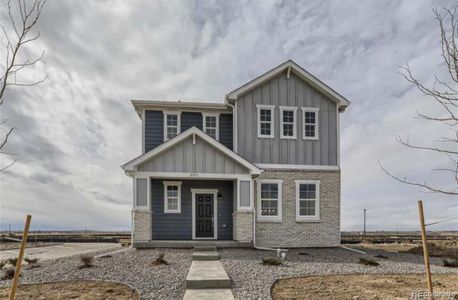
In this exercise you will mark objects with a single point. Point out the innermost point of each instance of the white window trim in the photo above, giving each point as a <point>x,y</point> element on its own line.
<point>178,114</point>
<point>277,218</point>
<point>204,124</point>
<point>239,205</point>
<point>167,184</point>
<point>294,110</point>
<point>316,217</point>
<point>148,189</point>
<point>317,123</point>
<point>272,121</point>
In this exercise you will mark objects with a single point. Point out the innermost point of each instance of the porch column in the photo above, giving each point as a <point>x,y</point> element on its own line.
<point>141,212</point>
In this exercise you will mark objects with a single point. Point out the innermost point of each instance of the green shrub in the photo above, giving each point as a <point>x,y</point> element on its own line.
<point>451,263</point>
<point>8,273</point>
<point>368,261</point>
<point>271,261</point>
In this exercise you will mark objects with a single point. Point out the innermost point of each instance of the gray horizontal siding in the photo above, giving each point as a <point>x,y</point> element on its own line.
<point>168,226</point>
<point>193,158</point>
<point>280,91</point>
<point>154,127</point>
<point>225,130</point>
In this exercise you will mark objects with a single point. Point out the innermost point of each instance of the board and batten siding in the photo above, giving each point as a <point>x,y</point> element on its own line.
<point>188,157</point>
<point>178,226</point>
<point>154,127</point>
<point>280,91</point>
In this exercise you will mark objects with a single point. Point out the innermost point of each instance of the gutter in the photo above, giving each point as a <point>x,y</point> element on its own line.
<point>234,125</point>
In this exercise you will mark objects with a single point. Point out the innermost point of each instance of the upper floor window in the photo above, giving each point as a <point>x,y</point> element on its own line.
<point>269,200</point>
<point>307,200</point>
<point>310,117</point>
<point>171,124</point>
<point>288,127</point>
<point>265,121</point>
<point>172,197</point>
<point>211,125</point>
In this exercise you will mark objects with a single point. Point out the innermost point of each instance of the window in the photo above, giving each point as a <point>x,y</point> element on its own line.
<point>211,125</point>
<point>172,197</point>
<point>270,200</point>
<point>265,121</point>
<point>310,126</point>
<point>288,126</point>
<point>141,193</point>
<point>307,200</point>
<point>171,125</point>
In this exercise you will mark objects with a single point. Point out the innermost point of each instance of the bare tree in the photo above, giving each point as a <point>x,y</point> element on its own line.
<point>445,95</point>
<point>22,18</point>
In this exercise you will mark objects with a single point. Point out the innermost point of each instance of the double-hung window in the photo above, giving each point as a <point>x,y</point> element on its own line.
<point>171,124</point>
<point>310,118</point>
<point>307,200</point>
<point>265,121</point>
<point>288,127</point>
<point>172,197</point>
<point>269,200</point>
<point>211,125</point>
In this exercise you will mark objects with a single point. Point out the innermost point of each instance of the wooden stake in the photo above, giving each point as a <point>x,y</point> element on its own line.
<point>21,256</point>
<point>425,247</point>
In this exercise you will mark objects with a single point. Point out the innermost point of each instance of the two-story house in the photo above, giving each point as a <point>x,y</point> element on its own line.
<point>261,169</point>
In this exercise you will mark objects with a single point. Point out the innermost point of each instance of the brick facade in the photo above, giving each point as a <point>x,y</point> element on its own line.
<point>289,233</point>
<point>242,226</point>
<point>142,225</point>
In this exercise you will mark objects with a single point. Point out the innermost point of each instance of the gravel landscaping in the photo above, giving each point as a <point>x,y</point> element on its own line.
<point>253,280</point>
<point>132,267</point>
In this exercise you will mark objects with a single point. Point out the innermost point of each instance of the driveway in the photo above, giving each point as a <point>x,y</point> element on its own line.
<point>61,250</point>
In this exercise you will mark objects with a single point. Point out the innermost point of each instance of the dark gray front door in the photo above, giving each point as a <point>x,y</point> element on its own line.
<point>204,216</point>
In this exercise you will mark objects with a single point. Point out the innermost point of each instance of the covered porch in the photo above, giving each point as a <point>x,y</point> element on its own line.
<point>192,190</point>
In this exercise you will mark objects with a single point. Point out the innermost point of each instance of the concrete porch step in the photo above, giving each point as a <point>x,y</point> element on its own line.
<point>207,275</point>
<point>205,255</point>
<point>209,294</point>
<point>205,248</point>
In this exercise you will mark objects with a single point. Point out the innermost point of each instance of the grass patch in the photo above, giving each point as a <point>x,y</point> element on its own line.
<point>271,261</point>
<point>368,262</point>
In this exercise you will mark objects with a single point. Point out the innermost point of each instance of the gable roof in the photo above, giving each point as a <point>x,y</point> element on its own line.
<point>291,66</point>
<point>132,165</point>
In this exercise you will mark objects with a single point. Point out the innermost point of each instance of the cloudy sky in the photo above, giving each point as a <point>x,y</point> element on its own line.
<point>77,128</point>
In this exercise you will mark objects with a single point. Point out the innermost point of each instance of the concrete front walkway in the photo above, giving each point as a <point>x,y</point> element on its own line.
<point>61,250</point>
<point>207,278</point>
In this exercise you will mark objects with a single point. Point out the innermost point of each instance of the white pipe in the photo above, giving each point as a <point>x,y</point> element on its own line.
<point>351,249</point>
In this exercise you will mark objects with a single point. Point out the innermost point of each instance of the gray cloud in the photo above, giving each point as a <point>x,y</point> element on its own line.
<point>78,127</point>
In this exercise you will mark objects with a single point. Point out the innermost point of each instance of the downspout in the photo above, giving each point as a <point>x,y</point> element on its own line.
<point>254,231</point>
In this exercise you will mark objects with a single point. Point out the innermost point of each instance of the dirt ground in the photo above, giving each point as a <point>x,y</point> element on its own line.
<point>17,245</point>
<point>83,290</point>
<point>361,287</point>
<point>445,248</point>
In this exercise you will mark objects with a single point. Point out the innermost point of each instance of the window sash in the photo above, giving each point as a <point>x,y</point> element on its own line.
<point>265,120</point>
<point>288,122</point>
<point>172,197</point>
<point>171,125</point>
<point>310,119</point>
<point>307,200</point>
<point>269,200</point>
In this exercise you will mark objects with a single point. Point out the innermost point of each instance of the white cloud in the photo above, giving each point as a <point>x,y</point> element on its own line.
<point>78,127</point>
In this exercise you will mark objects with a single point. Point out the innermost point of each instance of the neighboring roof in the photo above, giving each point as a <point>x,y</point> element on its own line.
<point>160,104</point>
<point>131,165</point>
<point>298,70</point>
